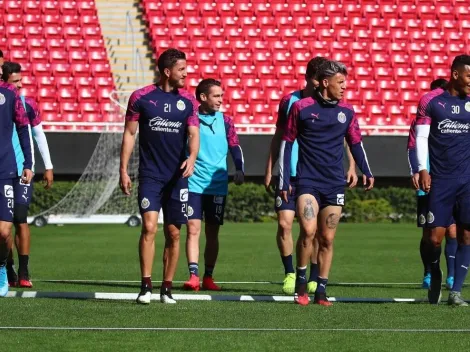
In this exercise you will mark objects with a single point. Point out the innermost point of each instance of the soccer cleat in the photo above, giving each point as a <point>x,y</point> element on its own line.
<point>166,297</point>
<point>3,281</point>
<point>289,284</point>
<point>435,289</point>
<point>301,299</point>
<point>426,281</point>
<point>312,287</point>
<point>192,284</point>
<point>321,299</point>
<point>25,283</point>
<point>209,284</point>
<point>455,300</point>
<point>12,276</point>
<point>450,282</point>
<point>144,296</point>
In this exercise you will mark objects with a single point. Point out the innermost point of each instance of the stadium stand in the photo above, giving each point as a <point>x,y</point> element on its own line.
<point>62,52</point>
<point>259,49</point>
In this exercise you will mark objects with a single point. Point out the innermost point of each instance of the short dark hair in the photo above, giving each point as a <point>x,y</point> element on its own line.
<point>313,65</point>
<point>168,59</point>
<point>460,61</point>
<point>9,68</point>
<point>1,53</point>
<point>204,87</point>
<point>439,83</point>
<point>330,68</point>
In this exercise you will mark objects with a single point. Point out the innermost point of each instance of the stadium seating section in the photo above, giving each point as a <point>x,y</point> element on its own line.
<point>259,49</point>
<point>61,49</point>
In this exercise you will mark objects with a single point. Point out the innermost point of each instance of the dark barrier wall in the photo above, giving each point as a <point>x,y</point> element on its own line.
<point>71,152</point>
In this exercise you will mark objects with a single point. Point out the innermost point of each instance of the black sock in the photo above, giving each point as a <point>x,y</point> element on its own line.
<point>287,262</point>
<point>4,250</point>
<point>434,257</point>
<point>208,271</point>
<point>23,265</point>
<point>424,256</point>
<point>313,272</point>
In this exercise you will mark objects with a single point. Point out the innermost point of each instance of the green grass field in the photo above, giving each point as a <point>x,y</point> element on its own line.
<point>364,254</point>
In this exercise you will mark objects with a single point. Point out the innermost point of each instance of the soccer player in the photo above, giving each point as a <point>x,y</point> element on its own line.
<point>12,112</point>
<point>168,126</point>
<point>286,210</point>
<point>422,206</point>
<point>442,137</point>
<point>208,186</point>
<point>319,124</point>
<point>23,192</point>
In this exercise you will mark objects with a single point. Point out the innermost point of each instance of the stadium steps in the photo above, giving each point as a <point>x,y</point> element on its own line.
<point>113,19</point>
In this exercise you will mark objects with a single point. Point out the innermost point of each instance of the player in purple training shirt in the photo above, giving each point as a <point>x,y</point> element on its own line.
<point>12,112</point>
<point>320,123</point>
<point>442,137</point>
<point>168,127</point>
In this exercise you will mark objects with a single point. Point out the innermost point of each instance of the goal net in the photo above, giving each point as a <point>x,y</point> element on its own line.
<point>97,197</point>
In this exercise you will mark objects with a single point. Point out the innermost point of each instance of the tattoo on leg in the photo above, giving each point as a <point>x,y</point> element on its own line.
<point>332,221</point>
<point>309,214</point>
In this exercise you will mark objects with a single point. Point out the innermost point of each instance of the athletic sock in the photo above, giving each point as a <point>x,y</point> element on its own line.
<point>434,257</point>
<point>208,271</point>
<point>313,272</point>
<point>193,269</point>
<point>322,282</point>
<point>146,284</point>
<point>23,266</point>
<point>424,257</point>
<point>167,285</point>
<point>450,251</point>
<point>301,281</point>
<point>462,261</point>
<point>287,262</point>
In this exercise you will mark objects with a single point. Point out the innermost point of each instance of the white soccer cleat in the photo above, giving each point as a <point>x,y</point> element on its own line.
<point>144,297</point>
<point>167,299</point>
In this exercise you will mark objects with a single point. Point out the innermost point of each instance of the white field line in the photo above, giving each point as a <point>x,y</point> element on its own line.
<point>237,282</point>
<point>194,297</point>
<point>64,328</point>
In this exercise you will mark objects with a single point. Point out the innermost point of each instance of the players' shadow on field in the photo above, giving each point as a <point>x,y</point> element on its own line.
<point>96,284</point>
<point>408,287</point>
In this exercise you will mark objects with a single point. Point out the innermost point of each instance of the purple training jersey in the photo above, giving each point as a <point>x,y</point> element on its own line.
<point>32,111</point>
<point>163,120</point>
<point>444,121</point>
<point>13,112</point>
<point>320,130</point>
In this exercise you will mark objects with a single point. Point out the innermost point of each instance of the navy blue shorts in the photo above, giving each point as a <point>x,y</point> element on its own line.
<point>23,192</point>
<point>171,197</point>
<point>323,196</point>
<point>280,204</point>
<point>7,200</point>
<point>211,208</point>
<point>449,199</point>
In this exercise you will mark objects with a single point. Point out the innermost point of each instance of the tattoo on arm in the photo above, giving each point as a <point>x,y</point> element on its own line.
<point>332,221</point>
<point>308,214</point>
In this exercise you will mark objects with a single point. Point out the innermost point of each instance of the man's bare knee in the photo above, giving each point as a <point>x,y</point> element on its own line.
<point>172,233</point>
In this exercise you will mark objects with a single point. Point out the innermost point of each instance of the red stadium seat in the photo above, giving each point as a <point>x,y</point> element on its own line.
<point>65,82</point>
